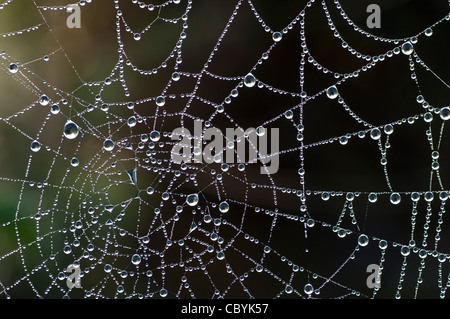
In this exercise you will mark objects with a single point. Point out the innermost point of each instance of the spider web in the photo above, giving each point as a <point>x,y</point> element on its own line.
<point>87,177</point>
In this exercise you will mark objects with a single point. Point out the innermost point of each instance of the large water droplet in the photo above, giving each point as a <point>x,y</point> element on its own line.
<point>131,121</point>
<point>107,268</point>
<point>136,259</point>
<point>55,109</point>
<point>383,244</point>
<point>224,207</point>
<point>445,113</point>
<point>375,133</point>
<point>309,289</point>
<point>160,101</point>
<point>260,131</point>
<point>363,240</point>
<point>35,146</point>
<point>176,76</point>
<point>74,162</point>
<point>250,80</point>
<point>332,92</point>
<point>44,100</point>
<point>192,199</point>
<point>415,196</point>
<point>108,145</point>
<point>407,48</point>
<point>155,136</point>
<point>67,250</point>
<point>70,130</point>
<point>373,197</point>
<point>395,198</point>
<point>163,293</point>
<point>388,129</point>
<point>325,196</point>
<point>405,250</point>
<point>220,255</point>
<point>13,68</point>
<point>277,36</point>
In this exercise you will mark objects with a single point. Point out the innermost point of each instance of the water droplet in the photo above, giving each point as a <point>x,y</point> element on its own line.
<point>176,76</point>
<point>405,250</point>
<point>277,36</point>
<point>163,293</point>
<point>107,268</point>
<point>428,32</point>
<point>363,240</point>
<point>137,36</point>
<point>343,140</point>
<point>44,100</point>
<point>373,197</point>
<point>429,196</point>
<point>288,289</point>
<point>388,129</point>
<point>192,199</point>
<point>342,233</point>
<point>250,80</point>
<point>160,101</point>
<point>325,196</point>
<point>423,253</point>
<point>136,259</point>
<point>35,146</point>
<point>415,196</point>
<point>383,244</point>
<point>407,48</point>
<point>260,131</point>
<point>132,121</point>
<point>332,92</point>
<point>309,289</point>
<point>74,162</point>
<point>224,207</point>
<point>445,113</point>
<point>132,174</point>
<point>55,109</point>
<point>375,133</point>
<point>220,255</point>
<point>395,198</point>
<point>193,227</point>
<point>67,250</point>
<point>155,136</point>
<point>288,114</point>
<point>108,145</point>
<point>13,68</point>
<point>70,130</point>
<point>165,196</point>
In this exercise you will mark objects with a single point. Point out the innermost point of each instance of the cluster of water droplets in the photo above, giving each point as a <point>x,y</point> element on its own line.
<point>205,243</point>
